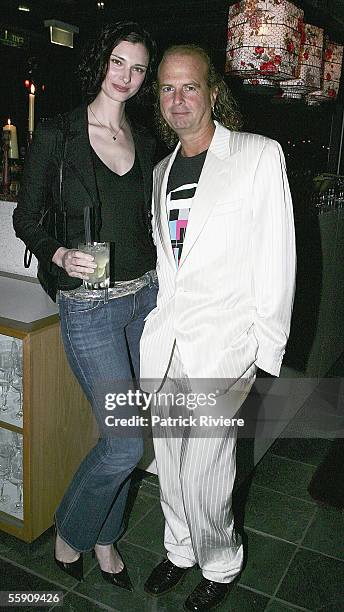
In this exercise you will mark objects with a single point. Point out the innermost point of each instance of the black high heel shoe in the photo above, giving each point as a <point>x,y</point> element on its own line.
<point>74,569</point>
<point>121,579</point>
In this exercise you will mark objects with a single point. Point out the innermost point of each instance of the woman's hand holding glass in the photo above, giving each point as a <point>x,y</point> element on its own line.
<point>76,263</point>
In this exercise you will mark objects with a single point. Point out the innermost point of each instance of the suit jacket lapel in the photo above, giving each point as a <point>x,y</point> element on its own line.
<point>160,207</point>
<point>213,184</point>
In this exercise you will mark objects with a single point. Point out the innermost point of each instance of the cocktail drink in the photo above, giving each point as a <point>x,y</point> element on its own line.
<point>100,278</point>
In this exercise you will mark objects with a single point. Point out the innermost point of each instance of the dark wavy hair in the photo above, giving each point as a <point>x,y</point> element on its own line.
<point>94,62</point>
<point>225,109</point>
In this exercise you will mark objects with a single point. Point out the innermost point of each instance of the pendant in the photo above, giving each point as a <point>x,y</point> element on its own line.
<point>114,138</point>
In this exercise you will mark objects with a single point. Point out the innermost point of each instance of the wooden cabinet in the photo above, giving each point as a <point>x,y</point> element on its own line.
<point>58,428</point>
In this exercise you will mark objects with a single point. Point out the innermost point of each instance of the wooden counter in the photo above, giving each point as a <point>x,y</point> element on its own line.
<point>58,428</point>
<point>24,305</point>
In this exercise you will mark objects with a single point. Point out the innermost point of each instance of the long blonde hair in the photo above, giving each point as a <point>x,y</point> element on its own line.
<point>225,109</point>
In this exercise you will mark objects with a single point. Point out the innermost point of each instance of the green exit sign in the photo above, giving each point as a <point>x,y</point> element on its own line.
<point>11,39</point>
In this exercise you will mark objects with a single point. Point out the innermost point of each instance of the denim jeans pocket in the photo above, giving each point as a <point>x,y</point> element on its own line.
<point>83,320</point>
<point>77,308</point>
<point>83,306</point>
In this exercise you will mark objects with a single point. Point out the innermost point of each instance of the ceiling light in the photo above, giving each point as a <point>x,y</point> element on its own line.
<point>24,8</point>
<point>61,33</point>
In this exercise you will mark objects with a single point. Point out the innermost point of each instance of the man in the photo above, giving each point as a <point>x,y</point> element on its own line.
<point>223,227</point>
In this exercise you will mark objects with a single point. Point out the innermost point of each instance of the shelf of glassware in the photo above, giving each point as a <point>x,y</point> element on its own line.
<point>11,380</point>
<point>11,414</point>
<point>11,473</point>
<point>46,428</point>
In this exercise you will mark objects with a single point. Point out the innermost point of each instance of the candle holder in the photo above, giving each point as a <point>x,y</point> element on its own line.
<point>31,125</point>
<point>6,177</point>
<point>29,139</point>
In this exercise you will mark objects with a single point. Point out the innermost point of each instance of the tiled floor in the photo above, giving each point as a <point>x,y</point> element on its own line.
<point>295,555</point>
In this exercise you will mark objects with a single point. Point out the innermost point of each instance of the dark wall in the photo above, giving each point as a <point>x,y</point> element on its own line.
<point>197,20</point>
<point>173,21</point>
<point>304,132</point>
<point>53,68</point>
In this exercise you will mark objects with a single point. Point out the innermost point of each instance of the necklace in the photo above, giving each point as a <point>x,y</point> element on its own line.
<point>113,134</point>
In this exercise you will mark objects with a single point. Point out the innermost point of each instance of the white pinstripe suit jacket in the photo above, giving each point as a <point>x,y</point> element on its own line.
<point>229,304</point>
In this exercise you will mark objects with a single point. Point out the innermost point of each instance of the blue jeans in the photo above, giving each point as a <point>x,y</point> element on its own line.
<point>102,343</point>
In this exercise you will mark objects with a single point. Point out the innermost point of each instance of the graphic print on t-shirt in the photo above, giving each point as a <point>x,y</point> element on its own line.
<point>178,209</point>
<point>181,188</point>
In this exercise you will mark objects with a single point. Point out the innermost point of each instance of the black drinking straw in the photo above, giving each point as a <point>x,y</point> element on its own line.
<point>87,225</point>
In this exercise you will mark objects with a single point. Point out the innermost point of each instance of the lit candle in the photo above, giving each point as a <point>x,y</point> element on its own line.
<point>32,109</point>
<point>13,143</point>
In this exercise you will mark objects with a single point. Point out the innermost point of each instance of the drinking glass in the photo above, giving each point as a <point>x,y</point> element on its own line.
<point>5,454</point>
<point>16,441</point>
<point>16,477</point>
<point>100,278</point>
<point>5,383</point>
<point>17,356</point>
<point>17,385</point>
<point>6,374</point>
<point>5,358</point>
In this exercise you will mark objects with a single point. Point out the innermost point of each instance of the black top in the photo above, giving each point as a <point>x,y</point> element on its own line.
<point>186,170</point>
<point>39,191</point>
<point>123,221</point>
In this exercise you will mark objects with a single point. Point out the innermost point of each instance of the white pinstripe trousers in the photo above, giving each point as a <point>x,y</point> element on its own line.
<point>196,476</point>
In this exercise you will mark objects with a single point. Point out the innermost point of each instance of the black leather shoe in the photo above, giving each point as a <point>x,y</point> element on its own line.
<point>121,579</point>
<point>164,577</point>
<point>207,596</point>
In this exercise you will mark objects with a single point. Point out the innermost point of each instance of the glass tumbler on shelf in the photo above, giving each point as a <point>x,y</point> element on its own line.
<point>16,441</point>
<point>16,478</point>
<point>17,377</point>
<point>5,384</point>
<point>5,454</point>
<point>16,356</point>
<point>17,385</point>
<point>6,375</point>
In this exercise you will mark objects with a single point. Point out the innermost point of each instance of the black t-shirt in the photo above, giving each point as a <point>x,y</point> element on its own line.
<point>123,221</point>
<point>181,188</point>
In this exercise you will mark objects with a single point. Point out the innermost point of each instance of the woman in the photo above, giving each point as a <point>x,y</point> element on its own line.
<point>105,163</point>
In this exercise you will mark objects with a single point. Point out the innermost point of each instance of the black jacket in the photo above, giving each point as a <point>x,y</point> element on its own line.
<point>40,191</point>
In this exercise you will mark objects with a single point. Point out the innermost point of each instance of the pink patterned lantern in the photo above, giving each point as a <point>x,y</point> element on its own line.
<point>260,86</point>
<point>310,64</point>
<point>332,68</point>
<point>264,38</point>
